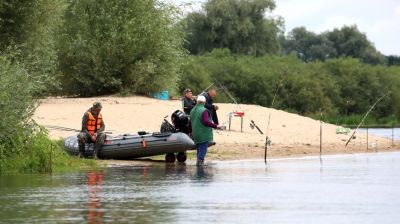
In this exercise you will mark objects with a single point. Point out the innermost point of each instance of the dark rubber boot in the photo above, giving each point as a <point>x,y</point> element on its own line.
<point>200,163</point>
<point>81,153</point>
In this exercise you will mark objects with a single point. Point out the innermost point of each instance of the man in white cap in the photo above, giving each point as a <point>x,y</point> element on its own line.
<point>202,128</point>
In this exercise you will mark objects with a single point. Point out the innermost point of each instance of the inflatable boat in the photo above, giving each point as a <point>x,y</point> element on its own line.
<point>140,145</point>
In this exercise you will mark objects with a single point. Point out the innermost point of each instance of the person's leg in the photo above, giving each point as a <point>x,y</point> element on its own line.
<point>99,142</point>
<point>201,153</point>
<point>82,139</point>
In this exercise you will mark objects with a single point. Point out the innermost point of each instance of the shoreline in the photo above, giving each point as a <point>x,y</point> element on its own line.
<point>190,162</point>
<point>291,134</point>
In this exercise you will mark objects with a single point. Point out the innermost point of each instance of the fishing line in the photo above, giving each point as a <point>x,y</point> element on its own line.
<point>370,109</point>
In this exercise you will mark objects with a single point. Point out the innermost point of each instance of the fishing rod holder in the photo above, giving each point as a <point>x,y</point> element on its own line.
<point>236,114</point>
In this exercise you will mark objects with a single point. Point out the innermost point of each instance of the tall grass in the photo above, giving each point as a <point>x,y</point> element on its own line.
<point>39,154</point>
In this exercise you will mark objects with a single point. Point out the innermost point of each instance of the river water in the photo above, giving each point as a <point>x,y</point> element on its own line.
<point>359,188</point>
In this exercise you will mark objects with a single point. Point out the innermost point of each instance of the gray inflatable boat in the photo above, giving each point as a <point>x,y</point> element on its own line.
<point>128,146</point>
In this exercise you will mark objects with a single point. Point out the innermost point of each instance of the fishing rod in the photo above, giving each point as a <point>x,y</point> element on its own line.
<point>61,128</point>
<point>207,88</point>
<point>362,120</point>
<point>227,92</point>
<point>267,140</point>
<point>230,95</point>
<point>54,127</point>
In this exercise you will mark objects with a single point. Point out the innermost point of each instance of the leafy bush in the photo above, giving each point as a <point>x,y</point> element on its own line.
<point>111,46</point>
<point>340,87</point>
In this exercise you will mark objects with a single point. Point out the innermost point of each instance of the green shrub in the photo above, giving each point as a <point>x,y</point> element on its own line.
<point>112,46</point>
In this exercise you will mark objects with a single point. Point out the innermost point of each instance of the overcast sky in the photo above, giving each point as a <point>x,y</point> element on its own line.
<point>379,19</point>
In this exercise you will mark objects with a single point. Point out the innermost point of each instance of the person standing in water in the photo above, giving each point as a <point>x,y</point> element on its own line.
<point>202,128</point>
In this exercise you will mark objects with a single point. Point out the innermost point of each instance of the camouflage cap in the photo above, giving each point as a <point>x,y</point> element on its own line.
<point>97,105</point>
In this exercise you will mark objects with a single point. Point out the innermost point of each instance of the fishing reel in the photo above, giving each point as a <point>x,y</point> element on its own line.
<point>267,141</point>
<point>252,126</point>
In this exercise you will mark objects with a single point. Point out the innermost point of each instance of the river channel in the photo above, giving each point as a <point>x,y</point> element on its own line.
<point>357,188</point>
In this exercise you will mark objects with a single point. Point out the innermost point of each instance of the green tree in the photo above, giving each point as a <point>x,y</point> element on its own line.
<point>350,42</point>
<point>119,45</point>
<point>307,45</point>
<point>30,27</point>
<point>16,103</point>
<point>238,25</point>
<point>393,60</point>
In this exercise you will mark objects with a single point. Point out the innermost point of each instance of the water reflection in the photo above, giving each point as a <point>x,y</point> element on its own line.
<point>360,188</point>
<point>94,182</point>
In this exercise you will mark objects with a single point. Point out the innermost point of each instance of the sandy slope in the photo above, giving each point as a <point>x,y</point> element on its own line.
<point>290,134</point>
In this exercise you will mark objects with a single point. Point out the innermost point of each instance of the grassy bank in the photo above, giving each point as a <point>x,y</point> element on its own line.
<point>40,154</point>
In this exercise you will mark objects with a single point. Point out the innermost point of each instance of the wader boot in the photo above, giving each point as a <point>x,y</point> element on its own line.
<point>81,153</point>
<point>81,144</point>
<point>200,163</point>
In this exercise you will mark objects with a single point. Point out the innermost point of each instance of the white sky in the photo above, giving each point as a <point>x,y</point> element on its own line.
<point>379,19</point>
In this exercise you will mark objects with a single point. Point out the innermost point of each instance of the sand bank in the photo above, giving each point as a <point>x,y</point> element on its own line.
<point>290,134</point>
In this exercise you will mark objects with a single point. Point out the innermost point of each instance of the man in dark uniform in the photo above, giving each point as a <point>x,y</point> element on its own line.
<point>210,95</point>
<point>92,130</point>
<point>188,101</point>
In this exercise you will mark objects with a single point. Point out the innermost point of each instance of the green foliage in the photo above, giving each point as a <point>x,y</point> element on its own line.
<point>40,155</point>
<point>307,45</point>
<point>347,41</point>
<point>24,147</point>
<point>30,28</point>
<point>113,46</point>
<point>238,25</point>
<point>350,42</point>
<point>393,60</point>
<point>16,102</point>
<point>342,86</point>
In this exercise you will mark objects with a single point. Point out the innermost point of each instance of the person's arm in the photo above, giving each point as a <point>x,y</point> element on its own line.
<point>205,120</point>
<point>84,122</point>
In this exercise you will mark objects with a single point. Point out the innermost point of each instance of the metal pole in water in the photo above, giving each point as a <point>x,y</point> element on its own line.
<point>392,134</point>
<point>367,138</point>
<point>320,134</point>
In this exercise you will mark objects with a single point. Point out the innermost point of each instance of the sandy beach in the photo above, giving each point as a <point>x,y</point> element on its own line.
<point>290,134</point>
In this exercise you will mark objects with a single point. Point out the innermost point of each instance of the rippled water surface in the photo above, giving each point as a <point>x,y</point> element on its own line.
<point>362,188</point>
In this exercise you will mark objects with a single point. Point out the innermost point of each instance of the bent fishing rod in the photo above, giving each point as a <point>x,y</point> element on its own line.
<point>267,140</point>
<point>365,116</point>
<point>230,95</point>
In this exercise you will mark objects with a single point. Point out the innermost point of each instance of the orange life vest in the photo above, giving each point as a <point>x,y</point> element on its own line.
<point>92,124</point>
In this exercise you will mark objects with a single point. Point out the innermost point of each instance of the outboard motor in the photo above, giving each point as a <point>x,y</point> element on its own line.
<point>180,123</point>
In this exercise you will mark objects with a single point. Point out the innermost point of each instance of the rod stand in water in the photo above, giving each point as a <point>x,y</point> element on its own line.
<point>362,120</point>
<point>267,140</point>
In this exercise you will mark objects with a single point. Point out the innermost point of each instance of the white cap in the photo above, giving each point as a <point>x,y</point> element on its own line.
<point>201,99</point>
